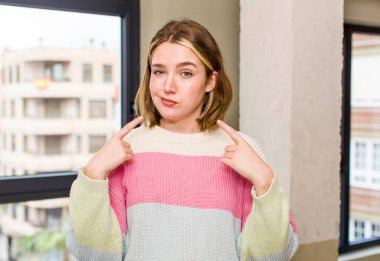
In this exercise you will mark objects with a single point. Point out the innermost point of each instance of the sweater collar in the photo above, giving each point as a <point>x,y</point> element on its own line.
<point>185,138</point>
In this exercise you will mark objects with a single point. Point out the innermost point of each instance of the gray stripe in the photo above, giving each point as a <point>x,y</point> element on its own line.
<point>287,253</point>
<point>83,253</point>
<point>165,232</point>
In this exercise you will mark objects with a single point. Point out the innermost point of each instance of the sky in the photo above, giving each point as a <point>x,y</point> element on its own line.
<point>22,28</point>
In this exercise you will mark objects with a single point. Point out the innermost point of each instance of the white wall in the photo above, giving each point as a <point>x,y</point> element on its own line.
<point>290,101</point>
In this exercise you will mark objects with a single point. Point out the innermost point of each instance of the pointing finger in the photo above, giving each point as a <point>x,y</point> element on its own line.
<point>230,131</point>
<point>128,127</point>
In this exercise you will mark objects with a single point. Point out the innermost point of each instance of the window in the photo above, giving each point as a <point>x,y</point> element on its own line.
<point>2,75</point>
<point>96,141</point>
<point>4,142</point>
<point>360,155</point>
<point>87,72</point>
<point>52,145</point>
<point>13,142</point>
<point>97,109</point>
<point>13,109</point>
<point>53,217</point>
<point>79,144</point>
<point>376,157</point>
<point>375,229</point>
<point>360,165</point>
<point>52,108</point>
<point>17,73</point>
<point>107,73</point>
<point>54,71</point>
<point>4,109</point>
<point>10,74</point>
<point>47,184</point>
<point>26,145</point>
<point>359,229</point>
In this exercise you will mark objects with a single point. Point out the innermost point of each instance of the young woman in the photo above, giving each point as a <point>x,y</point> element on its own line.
<point>184,185</point>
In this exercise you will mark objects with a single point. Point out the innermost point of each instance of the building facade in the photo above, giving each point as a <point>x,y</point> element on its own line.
<point>365,139</point>
<point>57,107</point>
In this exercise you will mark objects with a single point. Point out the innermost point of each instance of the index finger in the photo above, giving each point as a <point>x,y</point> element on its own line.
<point>230,131</point>
<point>128,127</point>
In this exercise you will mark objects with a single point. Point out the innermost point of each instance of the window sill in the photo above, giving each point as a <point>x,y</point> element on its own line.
<point>367,252</point>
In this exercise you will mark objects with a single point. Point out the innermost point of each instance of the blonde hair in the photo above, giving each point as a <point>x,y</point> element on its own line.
<point>196,37</point>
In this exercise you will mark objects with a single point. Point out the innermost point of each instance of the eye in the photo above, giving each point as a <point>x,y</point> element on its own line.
<point>186,74</point>
<point>158,72</point>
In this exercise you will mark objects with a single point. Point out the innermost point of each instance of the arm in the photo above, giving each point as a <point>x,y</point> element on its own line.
<point>268,229</point>
<point>97,207</point>
<point>95,211</point>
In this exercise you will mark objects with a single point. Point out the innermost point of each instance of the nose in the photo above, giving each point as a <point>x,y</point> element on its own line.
<point>169,85</point>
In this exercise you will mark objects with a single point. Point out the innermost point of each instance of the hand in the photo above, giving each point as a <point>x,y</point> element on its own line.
<point>242,158</point>
<point>113,153</point>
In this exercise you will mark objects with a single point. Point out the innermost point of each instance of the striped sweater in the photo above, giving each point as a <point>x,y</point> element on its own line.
<point>175,200</point>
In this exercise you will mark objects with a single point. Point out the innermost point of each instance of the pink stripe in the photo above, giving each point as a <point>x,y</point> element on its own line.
<point>117,196</point>
<point>192,181</point>
<point>292,222</point>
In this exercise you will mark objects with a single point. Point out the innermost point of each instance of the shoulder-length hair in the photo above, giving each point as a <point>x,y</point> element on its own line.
<point>197,38</point>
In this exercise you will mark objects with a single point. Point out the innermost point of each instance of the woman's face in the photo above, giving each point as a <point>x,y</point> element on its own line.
<point>178,84</point>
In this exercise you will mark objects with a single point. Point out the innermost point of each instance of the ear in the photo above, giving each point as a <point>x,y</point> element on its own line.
<point>211,82</point>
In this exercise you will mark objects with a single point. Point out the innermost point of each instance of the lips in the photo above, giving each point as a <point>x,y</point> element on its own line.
<point>168,102</point>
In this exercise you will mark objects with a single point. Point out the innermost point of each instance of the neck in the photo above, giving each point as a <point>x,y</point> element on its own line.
<point>180,127</point>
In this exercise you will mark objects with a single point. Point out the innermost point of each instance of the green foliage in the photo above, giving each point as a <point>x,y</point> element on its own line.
<point>41,242</point>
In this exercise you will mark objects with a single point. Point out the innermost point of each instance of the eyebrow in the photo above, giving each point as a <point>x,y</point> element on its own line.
<point>159,65</point>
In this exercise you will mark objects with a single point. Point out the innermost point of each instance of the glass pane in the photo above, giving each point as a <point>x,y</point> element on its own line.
<point>365,138</point>
<point>34,230</point>
<point>59,88</point>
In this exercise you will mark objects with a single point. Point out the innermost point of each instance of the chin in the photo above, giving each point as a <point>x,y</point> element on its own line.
<point>169,117</point>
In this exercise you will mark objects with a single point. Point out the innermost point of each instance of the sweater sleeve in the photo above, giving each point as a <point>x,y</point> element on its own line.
<point>268,230</point>
<point>94,231</point>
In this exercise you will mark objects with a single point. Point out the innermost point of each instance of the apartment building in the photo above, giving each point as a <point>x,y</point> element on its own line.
<point>365,174</point>
<point>57,107</point>
<point>365,140</point>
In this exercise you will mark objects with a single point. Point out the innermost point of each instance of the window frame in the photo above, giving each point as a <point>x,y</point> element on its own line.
<point>344,244</point>
<point>54,185</point>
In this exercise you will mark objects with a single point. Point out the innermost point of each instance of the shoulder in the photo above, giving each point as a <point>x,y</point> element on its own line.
<point>136,133</point>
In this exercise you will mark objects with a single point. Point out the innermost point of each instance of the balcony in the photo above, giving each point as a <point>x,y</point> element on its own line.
<point>35,163</point>
<point>66,126</point>
<point>59,90</point>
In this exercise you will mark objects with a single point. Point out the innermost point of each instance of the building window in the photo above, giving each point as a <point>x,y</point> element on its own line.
<point>53,217</point>
<point>13,142</point>
<point>10,75</point>
<point>79,144</point>
<point>107,73</point>
<point>4,142</point>
<point>97,109</point>
<point>13,108</point>
<point>359,229</point>
<point>376,157</point>
<point>360,155</point>
<point>87,72</point>
<point>18,73</point>
<point>54,71</point>
<point>360,143</point>
<point>96,142</point>
<point>26,213</point>
<point>52,108</point>
<point>375,227</point>
<point>3,75</point>
<point>26,146</point>
<point>4,111</point>
<point>52,145</point>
